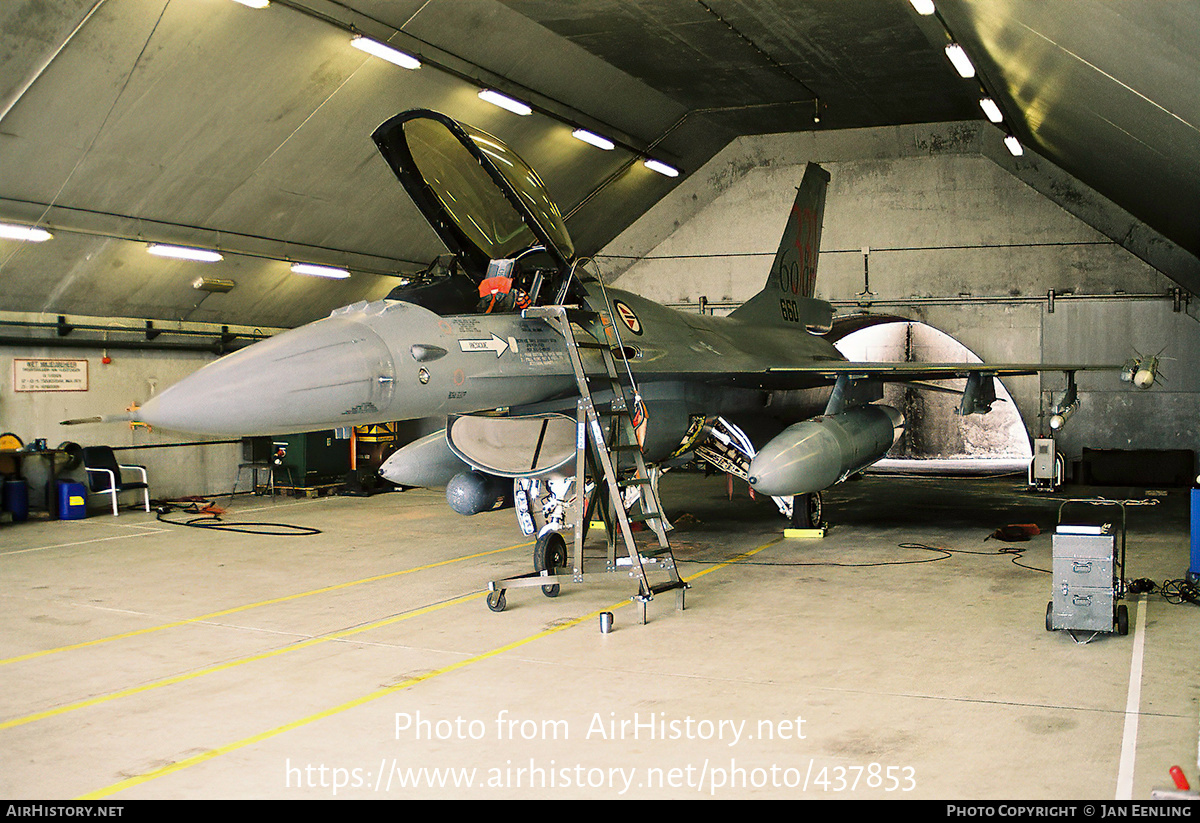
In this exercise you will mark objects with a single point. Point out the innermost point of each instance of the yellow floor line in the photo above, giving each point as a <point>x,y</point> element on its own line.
<point>181,678</point>
<point>247,607</point>
<point>108,791</point>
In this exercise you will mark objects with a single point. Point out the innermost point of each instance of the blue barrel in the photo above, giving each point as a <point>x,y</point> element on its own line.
<point>1194,568</point>
<point>16,499</point>
<point>72,500</point>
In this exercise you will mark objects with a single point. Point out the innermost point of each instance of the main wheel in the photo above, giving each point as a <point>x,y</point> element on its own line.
<point>1122,619</point>
<point>550,553</point>
<point>806,511</point>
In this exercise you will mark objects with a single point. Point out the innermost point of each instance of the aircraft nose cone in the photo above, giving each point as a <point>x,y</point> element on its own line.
<point>336,372</point>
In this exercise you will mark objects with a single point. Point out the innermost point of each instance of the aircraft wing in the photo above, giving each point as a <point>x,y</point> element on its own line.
<point>905,372</point>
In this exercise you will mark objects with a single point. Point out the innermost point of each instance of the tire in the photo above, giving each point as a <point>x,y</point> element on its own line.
<point>550,553</point>
<point>496,601</point>
<point>1122,620</point>
<point>807,510</point>
<point>1050,616</point>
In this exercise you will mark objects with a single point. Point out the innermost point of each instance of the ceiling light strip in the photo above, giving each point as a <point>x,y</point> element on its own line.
<point>505,102</point>
<point>314,270</point>
<point>966,69</point>
<point>594,139</point>
<point>350,20</point>
<point>991,110</point>
<point>385,52</point>
<point>660,167</point>
<point>962,63</point>
<point>185,253</point>
<point>9,231</point>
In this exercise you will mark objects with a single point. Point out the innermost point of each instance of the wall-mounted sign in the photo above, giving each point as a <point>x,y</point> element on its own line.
<point>46,374</point>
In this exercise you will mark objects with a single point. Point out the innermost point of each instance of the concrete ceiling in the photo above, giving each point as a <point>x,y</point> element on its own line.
<point>203,122</point>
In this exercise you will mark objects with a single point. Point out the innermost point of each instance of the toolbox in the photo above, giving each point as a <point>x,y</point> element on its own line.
<point>1088,575</point>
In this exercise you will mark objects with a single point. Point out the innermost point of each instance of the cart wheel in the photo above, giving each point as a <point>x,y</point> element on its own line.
<point>550,553</point>
<point>496,602</point>
<point>1050,616</point>
<point>806,511</point>
<point>1122,620</point>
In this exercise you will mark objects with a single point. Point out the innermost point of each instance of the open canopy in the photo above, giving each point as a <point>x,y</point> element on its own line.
<point>482,199</point>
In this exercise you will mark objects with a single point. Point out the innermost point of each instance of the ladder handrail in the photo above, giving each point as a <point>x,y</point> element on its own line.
<point>590,429</point>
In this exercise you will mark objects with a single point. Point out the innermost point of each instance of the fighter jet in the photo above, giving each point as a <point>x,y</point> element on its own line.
<point>761,393</point>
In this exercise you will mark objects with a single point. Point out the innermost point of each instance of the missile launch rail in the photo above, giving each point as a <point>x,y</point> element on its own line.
<point>608,450</point>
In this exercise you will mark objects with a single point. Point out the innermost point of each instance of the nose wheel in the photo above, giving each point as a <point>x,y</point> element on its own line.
<point>806,511</point>
<point>549,555</point>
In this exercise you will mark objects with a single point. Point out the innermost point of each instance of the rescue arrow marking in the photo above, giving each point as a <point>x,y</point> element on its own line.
<point>497,344</point>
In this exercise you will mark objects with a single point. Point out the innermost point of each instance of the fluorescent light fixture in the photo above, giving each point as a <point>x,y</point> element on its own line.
<point>505,102</point>
<point>661,168</point>
<point>594,139</point>
<point>320,271</point>
<point>185,253</point>
<point>962,63</point>
<point>213,285</point>
<point>399,58</point>
<point>1014,146</point>
<point>923,7</point>
<point>991,109</point>
<point>254,4</point>
<point>29,233</point>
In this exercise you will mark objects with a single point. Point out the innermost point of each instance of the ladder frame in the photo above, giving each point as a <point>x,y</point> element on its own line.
<point>598,453</point>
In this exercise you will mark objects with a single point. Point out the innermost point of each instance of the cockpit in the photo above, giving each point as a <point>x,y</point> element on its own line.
<point>510,247</point>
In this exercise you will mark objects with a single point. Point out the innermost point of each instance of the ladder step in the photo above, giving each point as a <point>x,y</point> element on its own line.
<point>650,554</point>
<point>659,588</point>
<point>612,412</point>
<point>633,481</point>
<point>591,344</point>
<point>625,447</point>
<point>644,516</point>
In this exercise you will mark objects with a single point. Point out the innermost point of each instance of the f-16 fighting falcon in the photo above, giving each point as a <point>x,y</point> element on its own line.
<point>501,350</point>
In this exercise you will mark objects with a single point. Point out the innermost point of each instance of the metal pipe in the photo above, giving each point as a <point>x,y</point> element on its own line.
<point>726,305</point>
<point>215,347</point>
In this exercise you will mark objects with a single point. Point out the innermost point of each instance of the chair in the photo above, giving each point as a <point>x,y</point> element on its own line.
<point>104,475</point>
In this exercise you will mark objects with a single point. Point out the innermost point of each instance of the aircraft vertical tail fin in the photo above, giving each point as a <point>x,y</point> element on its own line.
<point>787,296</point>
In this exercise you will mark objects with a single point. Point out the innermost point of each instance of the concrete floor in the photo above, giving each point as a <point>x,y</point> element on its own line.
<point>143,660</point>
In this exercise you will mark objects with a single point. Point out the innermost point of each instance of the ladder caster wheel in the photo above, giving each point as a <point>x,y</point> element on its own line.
<point>550,553</point>
<point>1122,620</point>
<point>1050,616</point>
<point>496,601</point>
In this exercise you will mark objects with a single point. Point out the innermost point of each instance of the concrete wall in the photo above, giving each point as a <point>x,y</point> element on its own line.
<point>953,238</point>
<point>131,377</point>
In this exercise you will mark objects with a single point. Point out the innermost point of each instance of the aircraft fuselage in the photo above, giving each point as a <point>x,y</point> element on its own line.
<point>390,360</point>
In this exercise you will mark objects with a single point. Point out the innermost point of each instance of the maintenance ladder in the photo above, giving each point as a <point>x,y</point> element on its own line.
<point>607,448</point>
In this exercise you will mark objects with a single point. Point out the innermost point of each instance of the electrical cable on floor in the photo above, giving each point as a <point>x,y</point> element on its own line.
<point>210,518</point>
<point>1014,552</point>
<point>945,554</point>
<point>1175,592</point>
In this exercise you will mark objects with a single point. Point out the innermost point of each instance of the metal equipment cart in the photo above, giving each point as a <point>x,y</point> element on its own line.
<point>1089,576</point>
